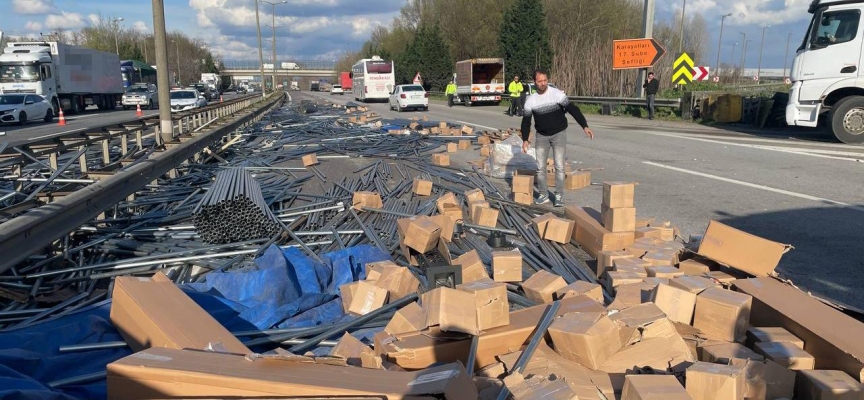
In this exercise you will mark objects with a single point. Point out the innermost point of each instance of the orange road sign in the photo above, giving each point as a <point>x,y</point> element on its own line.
<point>635,53</point>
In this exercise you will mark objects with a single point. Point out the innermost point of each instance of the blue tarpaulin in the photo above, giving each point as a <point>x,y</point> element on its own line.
<point>286,288</point>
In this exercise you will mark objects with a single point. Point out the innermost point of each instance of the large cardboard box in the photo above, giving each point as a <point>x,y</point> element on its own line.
<point>577,180</point>
<point>660,347</point>
<point>766,380</point>
<point>420,233</point>
<point>587,338</point>
<point>552,228</point>
<point>474,195</point>
<point>523,184</point>
<point>606,260</point>
<point>581,288</point>
<point>719,352</point>
<point>622,219</point>
<point>631,295</point>
<point>452,147</point>
<point>632,319</point>
<point>634,265</point>
<point>366,199</point>
<point>367,298</point>
<point>693,267</point>
<point>830,336</point>
<point>661,257</point>
<point>653,387</point>
<point>786,354</point>
<point>456,311</point>
<point>664,233</point>
<point>486,216</point>
<point>676,303</point>
<point>523,198</point>
<point>180,374</point>
<point>472,267</point>
<point>722,314</point>
<point>692,284</point>
<point>422,187</point>
<point>828,384</point>
<point>772,334</point>
<point>593,237</point>
<point>614,279</point>
<point>619,194</point>
<point>441,159</point>
<point>707,381</point>
<point>490,305</point>
<point>507,266</point>
<point>346,292</point>
<point>541,286</point>
<point>665,271</point>
<point>475,206</point>
<point>446,199</point>
<point>153,313</point>
<point>408,319</point>
<point>741,250</point>
<point>398,281</point>
<point>354,352</point>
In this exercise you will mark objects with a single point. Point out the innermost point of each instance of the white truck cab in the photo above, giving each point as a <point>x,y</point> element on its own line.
<point>828,71</point>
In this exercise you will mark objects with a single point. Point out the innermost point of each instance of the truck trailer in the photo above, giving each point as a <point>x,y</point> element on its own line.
<point>479,80</point>
<point>345,80</point>
<point>70,77</point>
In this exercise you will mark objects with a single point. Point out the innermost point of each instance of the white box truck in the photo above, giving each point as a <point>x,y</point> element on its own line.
<point>825,74</point>
<point>479,80</point>
<point>213,81</point>
<point>71,77</point>
<point>290,65</point>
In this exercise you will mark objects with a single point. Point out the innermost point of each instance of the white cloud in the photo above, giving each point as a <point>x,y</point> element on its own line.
<point>33,7</point>
<point>33,26</point>
<point>744,12</point>
<point>140,27</point>
<point>66,21</point>
<point>94,19</point>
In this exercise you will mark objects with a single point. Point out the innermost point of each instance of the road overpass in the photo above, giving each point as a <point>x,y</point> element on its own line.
<point>307,69</point>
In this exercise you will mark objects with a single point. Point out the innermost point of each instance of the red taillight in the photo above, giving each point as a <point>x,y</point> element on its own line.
<point>402,95</point>
<point>365,89</point>
<point>426,95</point>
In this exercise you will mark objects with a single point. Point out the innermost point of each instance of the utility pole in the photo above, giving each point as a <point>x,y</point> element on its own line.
<point>761,45</point>
<point>116,32</point>
<point>720,43</point>
<point>177,43</point>
<point>681,40</point>
<point>647,32</point>
<point>273,25</point>
<point>260,50</point>
<point>786,57</point>
<point>166,126</point>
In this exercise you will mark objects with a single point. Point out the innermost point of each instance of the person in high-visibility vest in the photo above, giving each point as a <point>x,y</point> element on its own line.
<point>515,88</point>
<point>450,92</point>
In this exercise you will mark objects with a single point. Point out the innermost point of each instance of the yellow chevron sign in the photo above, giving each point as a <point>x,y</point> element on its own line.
<point>682,70</point>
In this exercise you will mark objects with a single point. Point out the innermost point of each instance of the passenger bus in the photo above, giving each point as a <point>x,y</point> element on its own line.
<point>372,78</point>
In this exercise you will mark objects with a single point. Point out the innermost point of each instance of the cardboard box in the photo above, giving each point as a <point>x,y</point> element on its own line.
<point>721,277</point>
<point>593,237</point>
<point>169,373</point>
<point>706,381</point>
<point>354,352</point>
<point>373,270</point>
<point>472,267</point>
<point>523,184</point>
<point>523,198</point>
<point>310,160</point>
<point>408,319</point>
<point>447,199</point>
<point>153,313</point>
<point>541,286</point>
<point>422,187</point>
<point>692,284</point>
<point>467,130</point>
<point>464,144</point>
<point>485,150</point>
<point>660,347</point>
<point>474,195</point>
<point>398,281</point>
<point>581,288</point>
<point>653,387</point>
<point>366,199</point>
<point>666,271</point>
<point>552,228</point>
<point>722,353</point>
<point>619,194</point>
<point>443,125</point>
<point>631,295</point>
<point>431,304</point>
<point>613,279</point>
<point>346,292</point>
<point>577,180</point>
<point>474,206</point>
<point>367,298</point>
<point>766,380</point>
<point>507,266</point>
<point>420,233</point>
<point>772,334</point>
<point>722,314</point>
<point>676,303</point>
<point>441,159</point>
<point>829,335</point>
<point>655,232</point>
<point>741,250</point>
<point>621,219</point>
<point>606,260</point>
<point>457,311</point>
<point>661,258</point>
<point>634,265</point>
<point>587,338</point>
<point>786,354</point>
<point>452,147</point>
<point>486,216</point>
<point>490,305</point>
<point>632,319</point>
<point>828,384</point>
<point>693,267</point>
<point>448,225</point>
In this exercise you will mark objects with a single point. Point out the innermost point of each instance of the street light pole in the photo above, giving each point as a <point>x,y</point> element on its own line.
<point>719,43</point>
<point>647,32</point>
<point>732,57</point>
<point>178,61</point>
<point>274,37</point>
<point>166,126</point>
<point>260,50</point>
<point>761,45</point>
<point>786,56</point>
<point>116,29</point>
<point>681,40</point>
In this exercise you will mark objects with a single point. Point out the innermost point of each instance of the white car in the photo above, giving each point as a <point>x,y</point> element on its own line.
<point>186,99</point>
<point>20,108</point>
<point>143,94</point>
<point>409,96</point>
<point>337,89</point>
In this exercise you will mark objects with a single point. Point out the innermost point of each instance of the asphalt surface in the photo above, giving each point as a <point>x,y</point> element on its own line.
<point>794,187</point>
<point>92,117</point>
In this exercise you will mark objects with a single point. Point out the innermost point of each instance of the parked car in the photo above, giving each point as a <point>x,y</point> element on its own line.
<point>337,89</point>
<point>409,96</point>
<point>20,108</point>
<point>144,94</point>
<point>186,99</point>
<point>205,91</point>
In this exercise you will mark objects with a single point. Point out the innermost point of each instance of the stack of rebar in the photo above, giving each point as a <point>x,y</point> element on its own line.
<point>234,210</point>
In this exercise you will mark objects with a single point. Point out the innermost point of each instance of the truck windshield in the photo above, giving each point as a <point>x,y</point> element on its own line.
<point>834,27</point>
<point>19,73</point>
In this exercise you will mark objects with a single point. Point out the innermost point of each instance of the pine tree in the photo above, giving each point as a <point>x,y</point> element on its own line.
<point>429,55</point>
<point>525,40</point>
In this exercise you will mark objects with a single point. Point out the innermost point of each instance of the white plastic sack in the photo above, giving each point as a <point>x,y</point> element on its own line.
<point>506,157</point>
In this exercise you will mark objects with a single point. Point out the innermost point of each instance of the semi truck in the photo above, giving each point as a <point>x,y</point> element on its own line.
<point>295,85</point>
<point>827,83</point>
<point>213,81</point>
<point>314,86</point>
<point>345,80</point>
<point>480,80</point>
<point>70,77</point>
<point>134,72</point>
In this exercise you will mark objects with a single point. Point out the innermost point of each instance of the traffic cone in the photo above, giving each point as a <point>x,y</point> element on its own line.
<point>220,99</point>
<point>138,112</point>
<point>62,120</point>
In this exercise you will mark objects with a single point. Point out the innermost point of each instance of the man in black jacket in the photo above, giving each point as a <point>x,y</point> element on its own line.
<point>651,87</point>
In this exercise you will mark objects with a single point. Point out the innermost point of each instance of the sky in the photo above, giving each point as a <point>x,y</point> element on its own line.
<point>325,29</point>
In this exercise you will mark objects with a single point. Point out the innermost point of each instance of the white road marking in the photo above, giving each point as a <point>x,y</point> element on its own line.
<point>80,117</point>
<point>757,186</point>
<point>477,125</point>
<point>57,134</point>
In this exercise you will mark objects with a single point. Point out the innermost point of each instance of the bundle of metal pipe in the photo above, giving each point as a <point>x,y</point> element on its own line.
<point>234,209</point>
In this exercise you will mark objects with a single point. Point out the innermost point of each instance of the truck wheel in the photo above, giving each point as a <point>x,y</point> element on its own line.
<point>847,120</point>
<point>76,108</point>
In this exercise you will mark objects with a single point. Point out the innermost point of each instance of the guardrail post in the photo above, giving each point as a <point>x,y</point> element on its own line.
<point>124,141</point>
<point>138,139</point>
<point>687,106</point>
<point>82,160</point>
<point>106,152</point>
<point>17,171</point>
<point>52,160</point>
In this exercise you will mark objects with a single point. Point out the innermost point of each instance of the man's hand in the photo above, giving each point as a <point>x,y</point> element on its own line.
<point>589,133</point>
<point>525,146</point>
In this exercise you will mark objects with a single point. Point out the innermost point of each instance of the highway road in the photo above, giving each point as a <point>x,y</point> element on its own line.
<point>800,190</point>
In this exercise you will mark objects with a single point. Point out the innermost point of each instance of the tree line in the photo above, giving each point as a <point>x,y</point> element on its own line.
<point>570,38</point>
<point>193,53</point>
